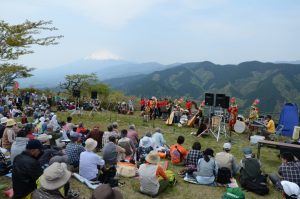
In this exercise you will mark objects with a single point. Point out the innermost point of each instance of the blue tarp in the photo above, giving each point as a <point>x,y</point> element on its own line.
<point>289,118</point>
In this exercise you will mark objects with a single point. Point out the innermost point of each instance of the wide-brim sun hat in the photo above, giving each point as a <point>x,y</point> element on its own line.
<point>4,120</point>
<point>153,157</point>
<point>55,176</point>
<point>90,144</point>
<point>10,122</point>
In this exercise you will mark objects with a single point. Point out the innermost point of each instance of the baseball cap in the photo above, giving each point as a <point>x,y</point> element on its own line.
<point>227,145</point>
<point>247,152</point>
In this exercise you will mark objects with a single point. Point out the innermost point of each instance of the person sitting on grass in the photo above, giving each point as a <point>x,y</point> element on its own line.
<point>107,134</point>
<point>97,135</point>
<point>178,152</point>
<point>126,144</point>
<point>192,159</point>
<point>19,145</point>
<point>158,139</point>
<point>53,178</point>
<point>90,162</point>
<point>207,168</point>
<point>145,146</point>
<point>73,150</point>
<point>227,160</point>
<point>289,170</point>
<point>149,174</point>
<point>133,135</point>
<point>112,153</point>
<point>26,170</point>
<point>250,171</point>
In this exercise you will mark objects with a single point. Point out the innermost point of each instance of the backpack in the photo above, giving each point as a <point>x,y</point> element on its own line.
<point>234,193</point>
<point>171,177</point>
<point>257,187</point>
<point>176,156</point>
<point>224,175</point>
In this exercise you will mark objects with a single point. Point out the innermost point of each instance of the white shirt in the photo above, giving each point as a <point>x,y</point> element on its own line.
<point>88,163</point>
<point>158,139</point>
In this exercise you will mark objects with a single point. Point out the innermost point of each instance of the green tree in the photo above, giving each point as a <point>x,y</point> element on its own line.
<point>102,89</point>
<point>17,40</point>
<point>78,82</point>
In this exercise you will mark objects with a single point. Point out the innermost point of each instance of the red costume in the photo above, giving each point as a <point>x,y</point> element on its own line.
<point>188,105</point>
<point>233,110</point>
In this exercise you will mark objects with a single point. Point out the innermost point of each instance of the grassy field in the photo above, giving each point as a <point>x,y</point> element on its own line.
<point>269,159</point>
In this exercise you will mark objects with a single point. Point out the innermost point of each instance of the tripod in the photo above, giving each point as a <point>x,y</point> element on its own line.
<point>218,125</point>
<point>77,110</point>
<point>95,108</point>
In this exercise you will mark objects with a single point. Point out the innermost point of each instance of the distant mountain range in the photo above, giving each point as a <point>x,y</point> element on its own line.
<point>105,69</point>
<point>272,83</point>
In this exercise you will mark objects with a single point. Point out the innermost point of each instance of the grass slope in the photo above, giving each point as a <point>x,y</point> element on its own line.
<point>182,190</point>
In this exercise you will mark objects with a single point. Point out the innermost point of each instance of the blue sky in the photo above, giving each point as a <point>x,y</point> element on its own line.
<point>165,31</point>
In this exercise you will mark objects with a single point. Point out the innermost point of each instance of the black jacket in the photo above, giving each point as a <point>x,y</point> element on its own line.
<point>26,170</point>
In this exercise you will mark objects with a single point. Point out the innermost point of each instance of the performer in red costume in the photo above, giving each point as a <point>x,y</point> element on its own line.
<point>233,110</point>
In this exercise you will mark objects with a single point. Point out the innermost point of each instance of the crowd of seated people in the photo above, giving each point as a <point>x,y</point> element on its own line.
<point>45,152</point>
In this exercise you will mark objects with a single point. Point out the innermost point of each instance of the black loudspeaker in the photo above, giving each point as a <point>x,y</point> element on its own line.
<point>209,99</point>
<point>94,94</point>
<point>220,100</point>
<point>76,93</point>
<point>226,102</point>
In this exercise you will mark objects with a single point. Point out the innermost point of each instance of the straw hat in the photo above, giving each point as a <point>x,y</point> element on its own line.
<point>153,157</point>
<point>90,144</point>
<point>10,122</point>
<point>55,176</point>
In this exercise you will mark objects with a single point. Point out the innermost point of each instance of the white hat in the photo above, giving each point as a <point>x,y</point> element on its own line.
<point>227,145</point>
<point>3,120</point>
<point>42,119</point>
<point>44,137</point>
<point>55,176</point>
<point>291,189</point>
<point>90,144</point>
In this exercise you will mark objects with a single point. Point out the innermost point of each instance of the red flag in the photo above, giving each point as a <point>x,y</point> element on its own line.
<point>16,86</point>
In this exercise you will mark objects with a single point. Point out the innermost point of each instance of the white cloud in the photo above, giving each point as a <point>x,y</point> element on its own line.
<point>103,55</point>
<point>113,13</point>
